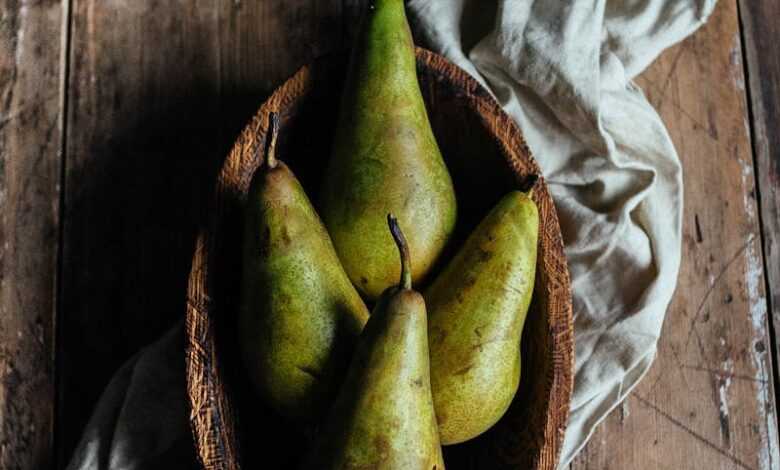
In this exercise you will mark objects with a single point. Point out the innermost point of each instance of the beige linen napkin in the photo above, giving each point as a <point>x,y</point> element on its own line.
<point>564,69</point>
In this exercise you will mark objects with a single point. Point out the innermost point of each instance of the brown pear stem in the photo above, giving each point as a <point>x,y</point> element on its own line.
<point>529,182</point>
<point>403,249</point>
<point>270,140</point>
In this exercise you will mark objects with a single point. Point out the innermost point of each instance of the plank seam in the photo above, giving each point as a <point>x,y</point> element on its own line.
<point>59,457</point>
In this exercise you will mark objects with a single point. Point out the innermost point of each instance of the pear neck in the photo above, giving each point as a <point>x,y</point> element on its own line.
<point>270,140</point>
<point>403,249</point>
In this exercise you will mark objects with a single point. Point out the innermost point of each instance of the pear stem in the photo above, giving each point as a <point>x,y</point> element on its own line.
<point>403,249</point>
<point>528,183</point>
<point>270,140</point>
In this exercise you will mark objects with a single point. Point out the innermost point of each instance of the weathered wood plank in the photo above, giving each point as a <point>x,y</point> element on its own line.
<point>159,91</point>
<point>761,35</point>
<point>708,400</point>
<point>30,146</point>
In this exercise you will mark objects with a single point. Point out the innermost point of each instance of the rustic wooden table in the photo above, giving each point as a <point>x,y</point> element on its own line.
<point>115,116</point>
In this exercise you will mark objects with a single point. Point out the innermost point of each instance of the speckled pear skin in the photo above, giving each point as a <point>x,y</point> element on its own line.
<point>385,160</point>
<point>300,316</point>
<point>476,309</point>
<point>383,418</point>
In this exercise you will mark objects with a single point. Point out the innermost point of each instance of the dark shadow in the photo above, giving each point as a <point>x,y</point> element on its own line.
<point>265,439</point>
<point>135,199</point>
<point>477,21</point>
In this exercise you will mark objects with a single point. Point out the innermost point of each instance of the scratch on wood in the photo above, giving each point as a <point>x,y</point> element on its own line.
<point>680,367</point>
<point>668,80</point>
<point>713,283</point>
<point>719,373</point>
<point>656,382</point>
<point>697,125</point>
<point>699,238</point>
<point>690,431</point>
<point>700,345</point>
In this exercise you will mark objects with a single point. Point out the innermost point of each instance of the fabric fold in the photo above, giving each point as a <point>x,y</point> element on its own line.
<point>563,71</point>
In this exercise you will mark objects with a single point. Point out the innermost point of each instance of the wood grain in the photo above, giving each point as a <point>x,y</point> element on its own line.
<point>761,35</point>
<point>140,145</point>
<point>30,141</point>
<point>158,92</point>
<point>708,401</point>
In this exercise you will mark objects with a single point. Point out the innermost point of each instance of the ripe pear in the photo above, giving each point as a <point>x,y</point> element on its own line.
<point>300,316</point>
<point>385,159</point>
<point>476,310</point>
<point>383,418</point>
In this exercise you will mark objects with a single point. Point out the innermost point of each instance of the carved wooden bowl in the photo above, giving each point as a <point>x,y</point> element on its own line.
<point>487,156</point>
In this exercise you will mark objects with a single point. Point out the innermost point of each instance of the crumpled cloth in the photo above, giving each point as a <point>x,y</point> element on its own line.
<point>563,69</point>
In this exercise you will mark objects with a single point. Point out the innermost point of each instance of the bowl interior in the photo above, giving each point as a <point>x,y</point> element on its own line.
<point>487,158</point>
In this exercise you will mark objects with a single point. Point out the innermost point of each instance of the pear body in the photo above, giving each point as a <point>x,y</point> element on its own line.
<point>300,316</point>
<point>476,308</point>
<point>383,418</point>
<point>385,159</point>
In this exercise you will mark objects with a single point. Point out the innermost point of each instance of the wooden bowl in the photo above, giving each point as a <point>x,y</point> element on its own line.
<point>487,156</point>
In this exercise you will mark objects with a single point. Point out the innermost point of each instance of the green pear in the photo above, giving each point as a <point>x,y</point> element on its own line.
<point>385,159</point>
<point>476,310</point>
<point>300,316</point>
<point>383,418</point>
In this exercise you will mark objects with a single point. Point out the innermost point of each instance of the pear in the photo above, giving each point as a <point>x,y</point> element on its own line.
<point>476,310</point>
<point>385,159</point>
<point>383,418</point>
<point>300,316</point>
